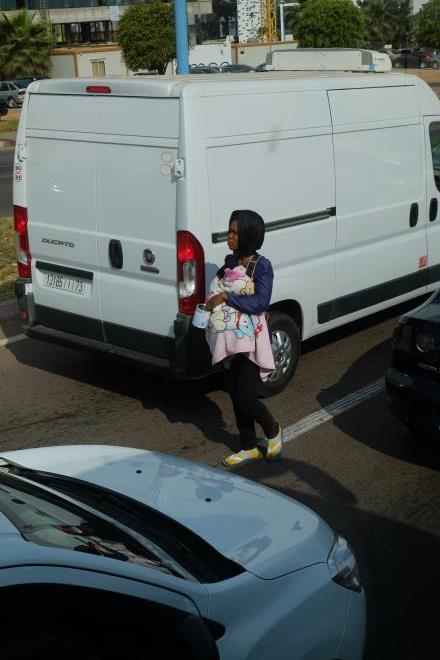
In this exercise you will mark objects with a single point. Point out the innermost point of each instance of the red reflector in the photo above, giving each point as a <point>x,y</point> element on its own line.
<point>98,89</point>
<point>24,316</point>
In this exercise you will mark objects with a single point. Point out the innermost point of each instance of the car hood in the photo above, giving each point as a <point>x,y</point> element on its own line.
<point>264,531</point>
<point>427,315</point>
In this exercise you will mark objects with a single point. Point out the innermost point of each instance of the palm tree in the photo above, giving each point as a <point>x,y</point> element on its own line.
<point>25,46</point>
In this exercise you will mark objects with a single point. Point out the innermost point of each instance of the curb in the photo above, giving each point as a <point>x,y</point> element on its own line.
<point>7,143</point>
<point>8,309</point>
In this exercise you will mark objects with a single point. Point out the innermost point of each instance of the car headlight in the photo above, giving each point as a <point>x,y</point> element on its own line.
<point>425,342</point>
<point>343,566</point>
<point>402,338</point>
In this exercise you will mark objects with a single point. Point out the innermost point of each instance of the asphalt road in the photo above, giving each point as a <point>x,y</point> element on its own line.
<point>360,471</point>
<point>6,163</point>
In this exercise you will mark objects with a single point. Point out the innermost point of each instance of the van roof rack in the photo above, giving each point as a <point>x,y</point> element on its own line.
<point>328,59</point>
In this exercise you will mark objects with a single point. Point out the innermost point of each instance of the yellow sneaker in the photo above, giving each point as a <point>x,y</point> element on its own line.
<point>241,457</point>
<point>274,447</point>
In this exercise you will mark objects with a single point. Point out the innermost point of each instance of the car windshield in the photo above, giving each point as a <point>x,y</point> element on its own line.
<point>178,549</point>
<point>46,519</point>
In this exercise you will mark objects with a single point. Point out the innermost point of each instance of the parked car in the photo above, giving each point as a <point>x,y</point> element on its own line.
<point>3,107</point>
<point>112,552</point>
<point>201,68</point>
<point>23,83</point>
<point>413,380</point>
<point>412,59</point>
<point>435,60</point>
<point>235,68</point>
<point>12,94</point>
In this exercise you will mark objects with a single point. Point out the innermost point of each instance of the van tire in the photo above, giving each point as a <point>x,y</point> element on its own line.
<point>285,337</point>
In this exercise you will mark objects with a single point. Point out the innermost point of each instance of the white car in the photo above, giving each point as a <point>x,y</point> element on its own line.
<point>110,552</point>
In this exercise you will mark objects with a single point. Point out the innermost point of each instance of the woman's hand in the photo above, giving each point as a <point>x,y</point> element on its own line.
<point>216,300</point>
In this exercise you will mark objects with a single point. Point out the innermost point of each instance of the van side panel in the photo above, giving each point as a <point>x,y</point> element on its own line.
<point>380,193</point>
<point>286,175</point>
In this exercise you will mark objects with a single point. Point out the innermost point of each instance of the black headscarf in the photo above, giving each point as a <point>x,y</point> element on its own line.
<point>250,228</point>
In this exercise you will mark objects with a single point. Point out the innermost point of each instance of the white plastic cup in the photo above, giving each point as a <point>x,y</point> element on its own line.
<point>201,317</point>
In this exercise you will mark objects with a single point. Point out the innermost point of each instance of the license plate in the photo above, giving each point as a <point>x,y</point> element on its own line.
<point>66,283</point>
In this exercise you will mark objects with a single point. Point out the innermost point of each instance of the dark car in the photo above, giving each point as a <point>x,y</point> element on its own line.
<point>235,68</point>
<point>413,380</point>
<point>201,68</point>
<point>417,58</point>
<point>3,107</point>
<point>24,83</point>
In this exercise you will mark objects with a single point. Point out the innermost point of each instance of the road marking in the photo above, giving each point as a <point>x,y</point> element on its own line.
<point>332,410</point>
<point>11,340</point>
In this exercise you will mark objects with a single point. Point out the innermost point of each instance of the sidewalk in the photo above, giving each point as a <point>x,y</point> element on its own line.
<point>8,309</point>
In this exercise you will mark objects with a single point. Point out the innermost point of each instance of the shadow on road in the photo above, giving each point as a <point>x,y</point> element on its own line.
<point>379,430</point>
<point>399,566</point>
<point>181,402</point>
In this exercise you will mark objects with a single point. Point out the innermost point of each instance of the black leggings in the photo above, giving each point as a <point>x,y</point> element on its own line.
<point>242,380</point>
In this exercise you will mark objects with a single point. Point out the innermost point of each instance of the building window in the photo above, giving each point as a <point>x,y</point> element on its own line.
<point>87,32</point>
<point>98,68</point>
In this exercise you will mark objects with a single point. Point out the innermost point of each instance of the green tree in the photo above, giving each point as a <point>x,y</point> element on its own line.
<point>427,29</point>
<point>25,46</point>
<point>147,36</point>
<point>330,24</point>
<point>387,22</point>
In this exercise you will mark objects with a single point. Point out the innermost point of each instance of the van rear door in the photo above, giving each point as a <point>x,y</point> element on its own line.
<point>62,220</point>
<point>136,198</point>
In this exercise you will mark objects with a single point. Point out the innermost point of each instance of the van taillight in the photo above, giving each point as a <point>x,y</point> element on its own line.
<point>190,272</point>
<point>22,241</point>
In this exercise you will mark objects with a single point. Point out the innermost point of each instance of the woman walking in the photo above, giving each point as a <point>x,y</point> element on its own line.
<point>238,335</point>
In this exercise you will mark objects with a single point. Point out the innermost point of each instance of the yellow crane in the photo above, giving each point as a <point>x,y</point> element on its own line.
<point>268,9</point>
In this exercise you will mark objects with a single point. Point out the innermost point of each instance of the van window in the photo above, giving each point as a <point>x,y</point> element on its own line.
<point>434,134</point>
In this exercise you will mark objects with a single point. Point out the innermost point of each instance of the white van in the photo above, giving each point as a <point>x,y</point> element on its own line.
<point>123,190</point>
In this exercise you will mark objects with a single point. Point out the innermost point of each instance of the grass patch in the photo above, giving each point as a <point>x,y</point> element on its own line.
<point>8,126</point>
<point>8,259</point>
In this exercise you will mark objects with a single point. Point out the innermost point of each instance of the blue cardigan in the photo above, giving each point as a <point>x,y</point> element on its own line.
<point>258,302</point>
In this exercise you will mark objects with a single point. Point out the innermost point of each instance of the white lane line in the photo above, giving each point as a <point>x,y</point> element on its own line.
<point>332,410</point>
<point>11,340</point>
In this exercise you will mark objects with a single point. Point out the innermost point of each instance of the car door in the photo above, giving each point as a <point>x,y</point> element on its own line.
<point>432,137</point>
<point>4,90</point>
<point>73,613</point>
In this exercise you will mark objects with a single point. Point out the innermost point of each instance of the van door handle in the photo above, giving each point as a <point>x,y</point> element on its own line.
<point>433,209</point>
<point>115,253</point>
<point>414,214</point>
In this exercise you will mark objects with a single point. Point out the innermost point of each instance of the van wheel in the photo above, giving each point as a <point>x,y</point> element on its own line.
<point>11,103</point>
<point>286,348</point>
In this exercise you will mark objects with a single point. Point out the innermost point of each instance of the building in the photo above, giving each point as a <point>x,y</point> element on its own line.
<point>416,5</point>
<point>95,22</point>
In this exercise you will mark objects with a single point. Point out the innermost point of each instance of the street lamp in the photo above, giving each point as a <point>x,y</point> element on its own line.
<point>282,5</point>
